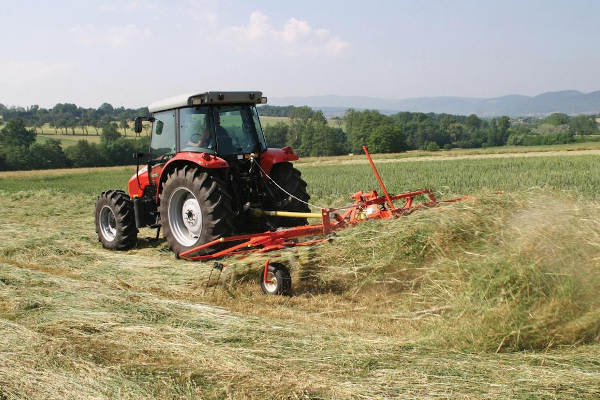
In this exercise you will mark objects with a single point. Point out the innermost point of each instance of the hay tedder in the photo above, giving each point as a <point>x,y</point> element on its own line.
<point>216,190</point>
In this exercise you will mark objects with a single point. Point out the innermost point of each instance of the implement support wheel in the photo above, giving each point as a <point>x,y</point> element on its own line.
<point>278,279</point>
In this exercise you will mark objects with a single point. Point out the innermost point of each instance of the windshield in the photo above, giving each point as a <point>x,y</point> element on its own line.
<point>222,130</point>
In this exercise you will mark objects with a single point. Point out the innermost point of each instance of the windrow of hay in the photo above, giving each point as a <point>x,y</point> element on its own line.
<point>504,272</point>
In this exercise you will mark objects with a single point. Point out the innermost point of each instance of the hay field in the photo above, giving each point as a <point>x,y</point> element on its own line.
<point>493,297</point>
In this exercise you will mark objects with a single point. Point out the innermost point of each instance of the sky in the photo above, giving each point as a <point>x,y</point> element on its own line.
<point>133,52</point>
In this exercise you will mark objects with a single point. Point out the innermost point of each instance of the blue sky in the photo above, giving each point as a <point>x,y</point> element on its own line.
<point>132,53</point>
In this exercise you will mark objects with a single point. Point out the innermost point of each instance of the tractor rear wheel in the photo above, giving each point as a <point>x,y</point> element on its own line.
<point>115,220</point>
<point>195,209</point>
<point>293,199</point>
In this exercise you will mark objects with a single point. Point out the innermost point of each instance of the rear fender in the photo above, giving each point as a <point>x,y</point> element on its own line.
<point>202,160</point>
<point>275,156</point>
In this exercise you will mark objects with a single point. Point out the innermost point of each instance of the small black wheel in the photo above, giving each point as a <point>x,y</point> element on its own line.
<point>115,221</point>
<point>279,280</point>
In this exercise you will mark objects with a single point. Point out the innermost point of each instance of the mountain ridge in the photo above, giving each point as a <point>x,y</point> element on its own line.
<point>566,101</point>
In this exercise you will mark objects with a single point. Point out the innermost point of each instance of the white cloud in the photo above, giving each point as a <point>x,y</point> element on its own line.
<point>336,46</point>
<point>294,31</point>
<point>258,27</point>
<point>201,11</point>
<point>128,6</point>
<point>114,36</point>
<point>294,38</point>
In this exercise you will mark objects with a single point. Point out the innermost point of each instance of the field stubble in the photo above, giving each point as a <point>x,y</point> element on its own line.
<point>494,297</point>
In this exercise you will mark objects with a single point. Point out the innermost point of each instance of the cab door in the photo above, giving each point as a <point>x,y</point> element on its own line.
<point>163,143</point>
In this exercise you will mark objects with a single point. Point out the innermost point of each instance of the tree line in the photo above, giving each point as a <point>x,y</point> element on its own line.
<point>19,149</point>
<point>310,134</point>
<point>65,117</point>
<point>307,131</point>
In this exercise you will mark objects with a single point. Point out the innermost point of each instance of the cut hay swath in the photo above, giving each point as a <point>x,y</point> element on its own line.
<point>275,279</point>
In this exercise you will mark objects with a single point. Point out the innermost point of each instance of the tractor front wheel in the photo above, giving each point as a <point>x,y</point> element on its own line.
<point>115,221</point>
<point>194,209</point>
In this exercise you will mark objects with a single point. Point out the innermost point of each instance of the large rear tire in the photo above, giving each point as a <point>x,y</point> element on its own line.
<point>290,179</point>
<point>115,221</point>
<point>195,209</point>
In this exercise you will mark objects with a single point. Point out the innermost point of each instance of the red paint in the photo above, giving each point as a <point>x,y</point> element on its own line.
<point>136,187</point>
<point>274,156</point>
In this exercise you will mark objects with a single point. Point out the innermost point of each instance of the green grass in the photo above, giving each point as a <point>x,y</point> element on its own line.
<point>85,182</point>
<point>495,297</point>
<point>451,177</point>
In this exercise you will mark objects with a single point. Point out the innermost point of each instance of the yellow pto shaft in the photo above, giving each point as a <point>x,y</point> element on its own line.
<point>288,214</point>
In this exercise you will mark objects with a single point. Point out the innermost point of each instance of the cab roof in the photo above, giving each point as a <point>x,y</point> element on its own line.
<point>212,97</point>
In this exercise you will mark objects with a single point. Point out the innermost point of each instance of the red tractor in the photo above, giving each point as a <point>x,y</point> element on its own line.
<point>209,174</point>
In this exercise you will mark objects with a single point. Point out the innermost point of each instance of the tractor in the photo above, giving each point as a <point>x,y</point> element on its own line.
<point>208,175</point>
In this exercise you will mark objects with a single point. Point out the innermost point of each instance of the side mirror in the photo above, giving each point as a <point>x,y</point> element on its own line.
<point>159,127</point>
<point>137,125</point>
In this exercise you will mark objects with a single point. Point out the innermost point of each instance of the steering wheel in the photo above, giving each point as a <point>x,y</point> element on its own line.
<point>195,138</point>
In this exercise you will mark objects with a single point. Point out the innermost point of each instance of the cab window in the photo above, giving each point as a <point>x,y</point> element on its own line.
<point>163,134</point>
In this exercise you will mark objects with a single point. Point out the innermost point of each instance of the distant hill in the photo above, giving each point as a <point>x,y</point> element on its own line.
<point>568,102</point>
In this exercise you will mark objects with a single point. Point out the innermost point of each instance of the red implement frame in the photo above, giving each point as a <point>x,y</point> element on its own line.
<point>365,207</point>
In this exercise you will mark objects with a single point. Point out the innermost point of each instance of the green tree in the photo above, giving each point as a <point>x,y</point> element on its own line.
<point>455,131</point>
<point>16,134</point>
<point>124,125</point>
<point>105,109</point>
<point>85,154</point>
<point>473,123</point>
<point>557,119</point>
<point>360,125</point>
<point>503,127</point>
<point>16,158</point>
<point>329,141</point>
<point>48,155</point>
<point>584,125</point>
<point>431,146</point>
<point>387,139</point>
<point>110,133</point>
<point>71,124</point>
<point>304,122</point>
<point>277,134</point>
<point>118,151</point>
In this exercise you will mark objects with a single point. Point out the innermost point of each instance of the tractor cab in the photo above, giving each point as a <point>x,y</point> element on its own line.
<point>222,124</point>
<point>209,174</point>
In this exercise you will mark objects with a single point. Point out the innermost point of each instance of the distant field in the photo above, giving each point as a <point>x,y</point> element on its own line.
<point>68,140</point>
<point>48,130</point>
<point>71,139</point>
<point>265,121</point>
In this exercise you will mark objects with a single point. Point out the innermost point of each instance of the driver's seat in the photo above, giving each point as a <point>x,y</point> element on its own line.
<point>225,145</point>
